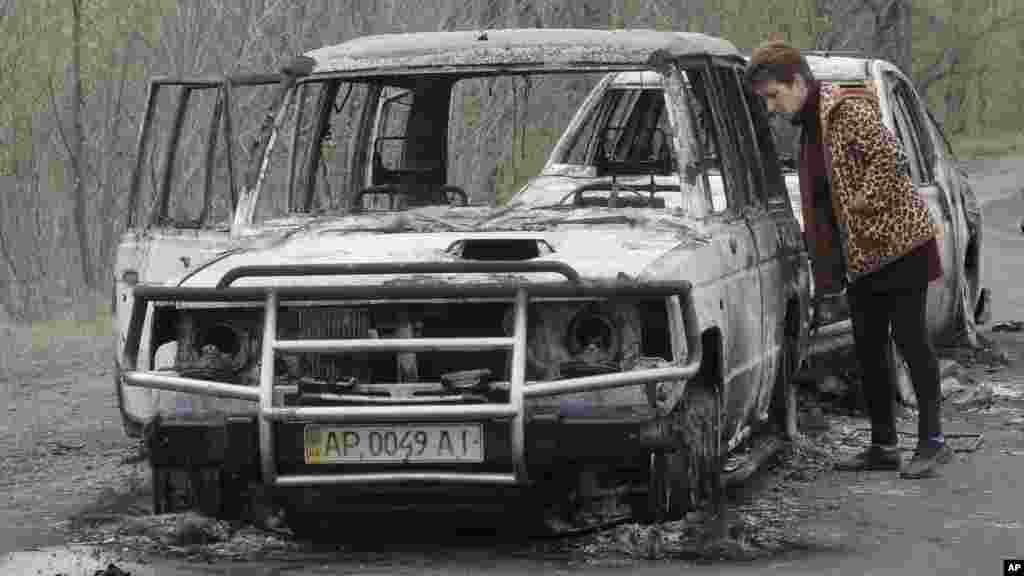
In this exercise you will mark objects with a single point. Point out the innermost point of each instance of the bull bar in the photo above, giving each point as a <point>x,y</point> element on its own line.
<point>682,328</point>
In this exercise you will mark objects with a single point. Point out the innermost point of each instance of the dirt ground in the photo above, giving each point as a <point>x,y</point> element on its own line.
<point>72,501</point>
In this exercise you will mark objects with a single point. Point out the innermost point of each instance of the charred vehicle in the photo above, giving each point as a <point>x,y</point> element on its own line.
<point>345,327</point>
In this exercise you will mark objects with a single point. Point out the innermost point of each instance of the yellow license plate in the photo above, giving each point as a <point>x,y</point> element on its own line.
<point>430,443</point>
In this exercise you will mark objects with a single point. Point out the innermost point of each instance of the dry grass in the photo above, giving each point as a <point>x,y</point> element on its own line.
<point>54,346</point>
<point>54,384</point>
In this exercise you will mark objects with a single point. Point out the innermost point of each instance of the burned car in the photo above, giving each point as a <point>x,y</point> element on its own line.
<point>349,328</point>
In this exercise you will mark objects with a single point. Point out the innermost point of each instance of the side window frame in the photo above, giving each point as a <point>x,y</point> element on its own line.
<point>215,153</point>
<point>925,144</point>
<point>687,145</point>
<point>773,185</point>
<point>735,170</point>
<point>906,131</point>
<point>699,93</point>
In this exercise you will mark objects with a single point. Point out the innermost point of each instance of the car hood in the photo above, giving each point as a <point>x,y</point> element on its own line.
<point>599,243</point>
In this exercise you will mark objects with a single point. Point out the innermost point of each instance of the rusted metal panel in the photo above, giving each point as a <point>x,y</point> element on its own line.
<point>548,47</point>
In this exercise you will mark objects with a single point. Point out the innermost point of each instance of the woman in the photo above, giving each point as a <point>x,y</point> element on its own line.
<point>869,231</point>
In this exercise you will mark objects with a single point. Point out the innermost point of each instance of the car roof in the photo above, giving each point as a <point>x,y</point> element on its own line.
<point>828,68</point>
<point>521,47</point>
<point>838,67</point>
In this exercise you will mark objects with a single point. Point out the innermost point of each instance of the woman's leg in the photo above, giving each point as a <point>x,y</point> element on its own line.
<point>910,331</point>
<point>871,339</point>
<point>870,319</point>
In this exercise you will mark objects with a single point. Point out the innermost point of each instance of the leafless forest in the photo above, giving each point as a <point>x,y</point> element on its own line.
<point>75,74</point>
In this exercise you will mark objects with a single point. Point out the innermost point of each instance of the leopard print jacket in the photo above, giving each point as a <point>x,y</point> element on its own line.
<point>878,211</point>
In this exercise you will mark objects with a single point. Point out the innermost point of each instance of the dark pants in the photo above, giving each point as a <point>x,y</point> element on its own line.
<point>904,309</point>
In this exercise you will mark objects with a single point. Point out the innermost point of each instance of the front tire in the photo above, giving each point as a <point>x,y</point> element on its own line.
<point>689,477</point>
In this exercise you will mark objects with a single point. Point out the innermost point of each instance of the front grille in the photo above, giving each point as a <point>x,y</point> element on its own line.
<point>328,322</point>
<point>393,320</point>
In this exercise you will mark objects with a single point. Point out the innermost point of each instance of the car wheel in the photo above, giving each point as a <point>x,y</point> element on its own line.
<point>690,476</point>
<point>177,489</point>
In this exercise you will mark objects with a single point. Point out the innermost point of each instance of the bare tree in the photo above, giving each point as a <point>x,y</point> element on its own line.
<point>879,28</point>
<point>78,146</point>
<point>893,31</point>
<point>950,59</point>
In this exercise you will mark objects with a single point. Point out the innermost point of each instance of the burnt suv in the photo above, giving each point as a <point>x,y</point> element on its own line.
<point>311,304</point>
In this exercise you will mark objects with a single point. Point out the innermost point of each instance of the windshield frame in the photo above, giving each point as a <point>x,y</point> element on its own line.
<point>274,123</point>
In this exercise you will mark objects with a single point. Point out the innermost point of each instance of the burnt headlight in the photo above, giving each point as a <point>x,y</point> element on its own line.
<point>569,339</point>
<point>219,352</point>
<point>593,339</point>
<point>592,336</point>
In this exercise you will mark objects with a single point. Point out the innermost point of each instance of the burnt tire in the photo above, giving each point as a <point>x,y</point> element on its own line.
<point>689,477</point>
<point>177,489</point>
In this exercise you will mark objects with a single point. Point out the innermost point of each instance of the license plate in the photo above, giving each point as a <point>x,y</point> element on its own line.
<point>398,443</point>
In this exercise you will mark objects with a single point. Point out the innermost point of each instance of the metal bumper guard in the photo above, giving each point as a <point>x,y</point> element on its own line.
<point>682,323</point>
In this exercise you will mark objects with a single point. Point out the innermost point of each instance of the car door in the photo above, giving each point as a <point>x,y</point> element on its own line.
<point>908,123</point>
<point>782,264</point>
<point>739,287</point>
<point>183,191</point>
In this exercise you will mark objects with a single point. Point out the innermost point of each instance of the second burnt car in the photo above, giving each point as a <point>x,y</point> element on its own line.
<point>957,303</point>
<point>346,330</point>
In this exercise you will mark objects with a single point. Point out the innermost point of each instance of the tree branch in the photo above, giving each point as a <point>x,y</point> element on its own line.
<point>69,153</point>
<point>939,69</point>
<point>52,93</point>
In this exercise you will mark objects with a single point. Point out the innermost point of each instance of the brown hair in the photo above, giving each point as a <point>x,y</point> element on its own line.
<point>776,60</point>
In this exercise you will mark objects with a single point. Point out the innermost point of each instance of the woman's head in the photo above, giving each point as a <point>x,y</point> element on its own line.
<point>780,74</point>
